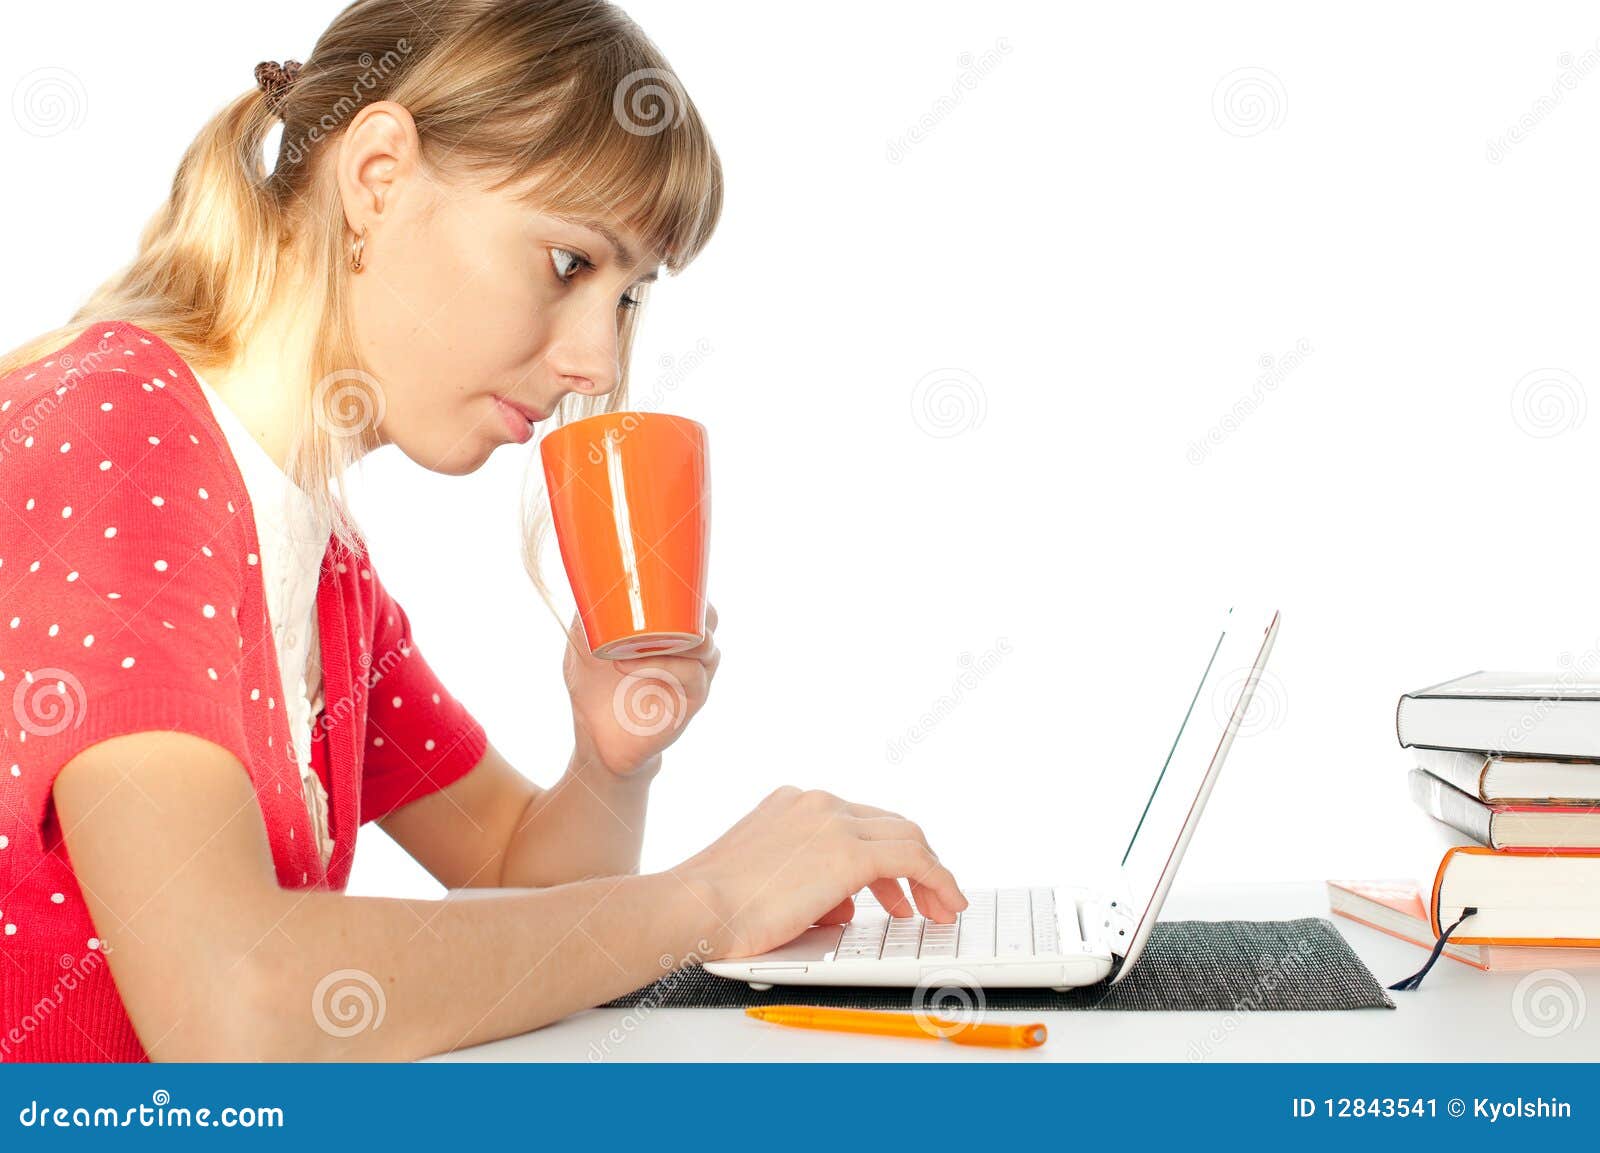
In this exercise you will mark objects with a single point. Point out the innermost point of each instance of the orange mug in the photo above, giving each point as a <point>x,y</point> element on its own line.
<point>630,494</point>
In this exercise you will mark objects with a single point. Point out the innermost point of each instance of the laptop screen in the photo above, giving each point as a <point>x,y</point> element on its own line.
<point>1212,715</point>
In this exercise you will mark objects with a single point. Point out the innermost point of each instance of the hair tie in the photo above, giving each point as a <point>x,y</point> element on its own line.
<point>274,79</point>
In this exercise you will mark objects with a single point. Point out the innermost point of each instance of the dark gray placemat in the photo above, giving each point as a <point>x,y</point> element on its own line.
<point>1201,965</point>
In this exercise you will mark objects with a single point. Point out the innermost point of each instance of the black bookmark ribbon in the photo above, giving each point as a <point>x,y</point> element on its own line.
<point>1415,980</point>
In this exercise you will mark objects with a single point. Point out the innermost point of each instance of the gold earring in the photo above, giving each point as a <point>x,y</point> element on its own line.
<point>357,248</point>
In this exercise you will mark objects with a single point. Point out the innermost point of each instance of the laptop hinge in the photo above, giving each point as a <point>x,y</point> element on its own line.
<point>1117,921</point>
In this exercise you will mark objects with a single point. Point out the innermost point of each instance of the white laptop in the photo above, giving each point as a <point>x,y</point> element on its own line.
<point>1056,936</point>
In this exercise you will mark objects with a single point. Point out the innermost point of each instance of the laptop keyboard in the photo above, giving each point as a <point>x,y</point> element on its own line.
<point>995,923</point>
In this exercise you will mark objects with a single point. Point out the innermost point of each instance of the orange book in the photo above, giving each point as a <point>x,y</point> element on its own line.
<point>1397,907</point>
<point>1548,899</point>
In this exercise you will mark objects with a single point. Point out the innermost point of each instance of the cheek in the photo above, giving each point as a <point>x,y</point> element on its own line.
<point>448,319</point>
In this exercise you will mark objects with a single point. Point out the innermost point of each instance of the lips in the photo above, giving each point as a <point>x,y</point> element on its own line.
<point>528,412</point>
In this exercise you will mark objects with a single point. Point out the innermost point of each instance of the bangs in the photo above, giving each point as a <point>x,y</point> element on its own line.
<point>625,147</point>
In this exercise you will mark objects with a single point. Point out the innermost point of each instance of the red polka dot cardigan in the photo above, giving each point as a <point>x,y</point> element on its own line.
<point>131,599</point>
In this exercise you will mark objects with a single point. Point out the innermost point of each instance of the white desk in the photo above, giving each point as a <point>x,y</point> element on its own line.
<point>1459,1014</point>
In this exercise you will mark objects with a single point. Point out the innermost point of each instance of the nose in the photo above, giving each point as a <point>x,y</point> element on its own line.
<point>585,355</point>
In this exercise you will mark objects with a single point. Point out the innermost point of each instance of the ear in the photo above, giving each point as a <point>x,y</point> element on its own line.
<point>378,159</point>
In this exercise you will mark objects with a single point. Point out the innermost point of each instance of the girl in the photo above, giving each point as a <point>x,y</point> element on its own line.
<point>210,687</point>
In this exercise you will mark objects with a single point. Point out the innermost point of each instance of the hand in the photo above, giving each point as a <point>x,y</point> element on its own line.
<point>624,713</point>
<point>798,857</point>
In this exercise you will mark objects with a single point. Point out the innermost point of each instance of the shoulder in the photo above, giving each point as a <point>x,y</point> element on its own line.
<point>118,394</point>
<point>111,463</point>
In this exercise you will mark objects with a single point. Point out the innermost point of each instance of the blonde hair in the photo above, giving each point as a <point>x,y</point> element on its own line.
<point>570,93</point>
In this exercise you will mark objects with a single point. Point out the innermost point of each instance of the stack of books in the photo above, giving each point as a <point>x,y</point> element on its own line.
<point>1510,764</point>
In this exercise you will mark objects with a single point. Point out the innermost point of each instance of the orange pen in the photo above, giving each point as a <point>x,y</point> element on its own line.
<point>902,1025</point>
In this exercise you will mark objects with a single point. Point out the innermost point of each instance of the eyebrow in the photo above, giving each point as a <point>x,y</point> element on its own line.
<point>620,251</point>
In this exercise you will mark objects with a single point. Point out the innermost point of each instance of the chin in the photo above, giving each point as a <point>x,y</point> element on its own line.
<point>455,456</point>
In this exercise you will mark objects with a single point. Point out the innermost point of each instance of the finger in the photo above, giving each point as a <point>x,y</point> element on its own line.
<point>928,903</point>
<point>891,897</point>
<point>670,671</point>
<point>840,914</point>
<point>856,810</point>
<point>892,829</point>
<point>689,658</point>
<point>711,615</point>
<point>913,861</point>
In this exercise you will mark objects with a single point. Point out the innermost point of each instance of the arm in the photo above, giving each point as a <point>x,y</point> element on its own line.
<point>495,828</point>
<point>214,961</point>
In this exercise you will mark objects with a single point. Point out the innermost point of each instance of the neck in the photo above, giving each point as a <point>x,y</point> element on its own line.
<point>266,385</point>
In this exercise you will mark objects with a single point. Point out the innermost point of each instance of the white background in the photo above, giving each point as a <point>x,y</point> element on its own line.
<point>1090,226</point>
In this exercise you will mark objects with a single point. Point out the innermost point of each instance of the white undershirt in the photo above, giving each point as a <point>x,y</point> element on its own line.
<point>293,542</point>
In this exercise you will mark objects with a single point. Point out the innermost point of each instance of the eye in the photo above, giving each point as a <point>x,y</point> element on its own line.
<point>573,263</point>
